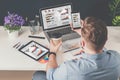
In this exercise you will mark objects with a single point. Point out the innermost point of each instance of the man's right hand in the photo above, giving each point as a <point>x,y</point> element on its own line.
<point>77,30</point>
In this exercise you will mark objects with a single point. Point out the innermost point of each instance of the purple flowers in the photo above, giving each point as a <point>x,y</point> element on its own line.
<point>13,21</point>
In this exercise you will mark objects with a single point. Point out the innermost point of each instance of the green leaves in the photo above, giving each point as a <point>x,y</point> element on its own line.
<point>116,21</point>
<point>12,28</point>
<point>114,7</point>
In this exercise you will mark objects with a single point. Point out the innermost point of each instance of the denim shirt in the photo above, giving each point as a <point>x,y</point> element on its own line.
<point>103,66</point>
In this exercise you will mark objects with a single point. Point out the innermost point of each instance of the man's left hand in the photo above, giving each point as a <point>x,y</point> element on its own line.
<point>54,48</point>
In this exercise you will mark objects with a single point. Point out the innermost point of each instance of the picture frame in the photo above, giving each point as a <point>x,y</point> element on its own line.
<point>34,50</point>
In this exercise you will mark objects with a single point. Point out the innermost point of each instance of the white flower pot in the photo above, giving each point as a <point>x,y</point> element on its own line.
<point>13,34</point>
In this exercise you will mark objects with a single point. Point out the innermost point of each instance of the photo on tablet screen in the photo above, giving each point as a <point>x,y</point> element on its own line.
<point>34,50</point>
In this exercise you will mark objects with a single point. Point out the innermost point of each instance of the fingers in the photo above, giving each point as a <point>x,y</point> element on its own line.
<point>53,47</point>
<point>82,23</point>
<point>76,30</point>
<point>59,44</point>
<point>51,42</point>
<point>77,57</point>
<point>71,25</point>
<point>79,52</point>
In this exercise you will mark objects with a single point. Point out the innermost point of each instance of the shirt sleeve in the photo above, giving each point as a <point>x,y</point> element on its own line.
<point>59,73</point>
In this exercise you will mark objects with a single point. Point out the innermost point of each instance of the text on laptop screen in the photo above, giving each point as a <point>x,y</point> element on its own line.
<point>57,16</point>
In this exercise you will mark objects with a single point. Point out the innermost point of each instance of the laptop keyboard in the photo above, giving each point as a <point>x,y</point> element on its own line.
<point>61,31</point>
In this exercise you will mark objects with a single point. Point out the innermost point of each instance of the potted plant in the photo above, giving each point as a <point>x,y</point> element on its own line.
<point>13,23</point>
<point>114,7</point>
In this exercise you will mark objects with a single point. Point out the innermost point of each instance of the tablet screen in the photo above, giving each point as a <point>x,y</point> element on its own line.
<point>34,50</point>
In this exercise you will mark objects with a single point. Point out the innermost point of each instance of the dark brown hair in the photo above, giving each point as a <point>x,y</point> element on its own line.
<point>94,31</point>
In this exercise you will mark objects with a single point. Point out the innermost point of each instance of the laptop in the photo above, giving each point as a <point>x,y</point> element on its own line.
<point>57,19</point>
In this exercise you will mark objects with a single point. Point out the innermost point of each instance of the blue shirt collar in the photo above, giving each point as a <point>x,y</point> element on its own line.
<point>93,56</point>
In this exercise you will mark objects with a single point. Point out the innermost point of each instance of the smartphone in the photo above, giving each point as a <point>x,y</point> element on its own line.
<point>76,20</point>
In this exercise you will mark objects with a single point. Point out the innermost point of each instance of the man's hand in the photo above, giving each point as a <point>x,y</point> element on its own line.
<point>53,47</point>
<point>78,54</point>
<point>77,30</point>
<point>52,63</point>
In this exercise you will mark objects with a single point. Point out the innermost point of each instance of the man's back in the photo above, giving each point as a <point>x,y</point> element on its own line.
<point>101,66</point>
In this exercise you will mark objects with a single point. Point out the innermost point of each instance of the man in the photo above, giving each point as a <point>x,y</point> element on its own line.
<point>94,63</point>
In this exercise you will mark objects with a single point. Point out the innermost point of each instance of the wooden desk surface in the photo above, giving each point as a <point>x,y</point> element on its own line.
<point>12,59</point>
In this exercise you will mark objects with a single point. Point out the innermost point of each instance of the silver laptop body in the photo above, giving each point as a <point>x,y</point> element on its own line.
<point>56,20</point>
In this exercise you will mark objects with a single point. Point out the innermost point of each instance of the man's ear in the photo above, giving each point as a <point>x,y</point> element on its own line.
<point>82,43</point>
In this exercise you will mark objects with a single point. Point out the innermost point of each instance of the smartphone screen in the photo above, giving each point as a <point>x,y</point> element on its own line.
<point>76,20</point>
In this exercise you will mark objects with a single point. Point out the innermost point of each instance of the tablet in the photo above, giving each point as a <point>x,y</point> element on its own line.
<point>34,50</point>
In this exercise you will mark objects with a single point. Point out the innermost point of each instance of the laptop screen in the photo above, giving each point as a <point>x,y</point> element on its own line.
<point>56,16</point>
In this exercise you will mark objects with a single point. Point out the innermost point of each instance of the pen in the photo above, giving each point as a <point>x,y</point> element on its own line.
<point>36,37</point>
<point>16,44</point>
